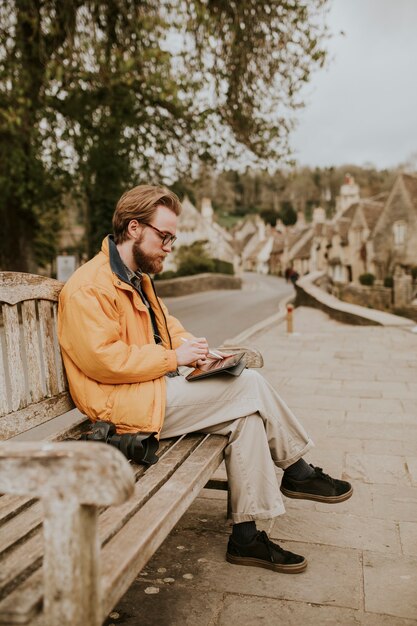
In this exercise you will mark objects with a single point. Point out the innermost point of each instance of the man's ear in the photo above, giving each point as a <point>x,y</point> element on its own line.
<point>134,228</point>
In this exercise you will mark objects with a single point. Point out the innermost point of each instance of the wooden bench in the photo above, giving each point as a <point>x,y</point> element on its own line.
<point>78,521</point>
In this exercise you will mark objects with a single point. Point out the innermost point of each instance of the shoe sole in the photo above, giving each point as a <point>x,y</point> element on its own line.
<point>317,498</point>
<point>296,568</point>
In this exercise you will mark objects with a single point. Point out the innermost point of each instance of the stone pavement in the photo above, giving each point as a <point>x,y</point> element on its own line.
<point>355,389</point>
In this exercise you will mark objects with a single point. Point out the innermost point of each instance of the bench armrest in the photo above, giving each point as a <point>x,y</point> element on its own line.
<point>73,480</point>
<point>252,357</point>
<point>91,473</point>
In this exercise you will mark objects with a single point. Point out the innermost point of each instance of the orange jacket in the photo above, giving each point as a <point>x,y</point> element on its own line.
<point>116,371</point>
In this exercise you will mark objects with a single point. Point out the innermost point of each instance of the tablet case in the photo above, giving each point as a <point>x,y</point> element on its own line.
<point>236,367</point>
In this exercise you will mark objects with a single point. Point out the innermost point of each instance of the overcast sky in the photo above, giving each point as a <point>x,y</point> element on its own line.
<point>362,108</point>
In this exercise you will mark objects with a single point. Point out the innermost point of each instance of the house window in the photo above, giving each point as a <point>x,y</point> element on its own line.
<point>400,230</point>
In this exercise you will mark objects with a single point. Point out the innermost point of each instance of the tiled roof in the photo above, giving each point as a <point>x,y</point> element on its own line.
<point>304,251</point>
<point>278,244</point>
<point>371,212</point>
<point>343,226</point>
<point>410,183</point>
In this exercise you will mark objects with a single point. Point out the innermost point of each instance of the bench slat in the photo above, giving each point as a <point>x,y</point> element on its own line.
<point>14,360</point>
<point>23,604</point>
<point>4,405</point>
<point>61,378</point>
<point>19,527</point>
<point>48,346</point>
<point>12,505</point>
<point>22,560</point>
<point>114,518</point>
<point>34,415</point>
<point>31,344</point>
<point>121,557</point>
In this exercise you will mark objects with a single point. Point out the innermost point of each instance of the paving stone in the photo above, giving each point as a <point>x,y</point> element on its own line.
<point>390,585</point>
<point>412,468</point>
<point>394,502</point>
<point>341,443</point>
<point>250,611</point>
<point>364,430</point>
<point>339,529</point>
<point>398,448</point>
<point>408,536</point>
<point>170,604</point>
<point>377,468</point>
<point>360,504</point>
<point>383,405</point>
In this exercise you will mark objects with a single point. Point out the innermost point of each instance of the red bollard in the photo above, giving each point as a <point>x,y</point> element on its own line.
<point>290,326</point>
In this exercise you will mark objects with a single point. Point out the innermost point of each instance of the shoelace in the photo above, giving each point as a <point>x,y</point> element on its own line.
<point>262,536</point>
<point>321,474</point>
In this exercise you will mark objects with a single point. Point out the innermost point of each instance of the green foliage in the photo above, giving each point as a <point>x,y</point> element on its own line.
<point>389,282</point>
<point>367,279</point>
<point>223,267</point>
<point>93,99</point>
<point>269,216</point>
<point>193,260</point>
<point>288,214</point>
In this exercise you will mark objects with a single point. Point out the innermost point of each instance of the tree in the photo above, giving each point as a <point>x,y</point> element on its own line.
<point>288,214</point>
<point>32,175</point>
<point>93,93</point>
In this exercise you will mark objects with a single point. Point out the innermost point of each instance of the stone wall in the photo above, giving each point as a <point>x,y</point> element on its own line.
<point>193,284</point>
<point>376,297</point>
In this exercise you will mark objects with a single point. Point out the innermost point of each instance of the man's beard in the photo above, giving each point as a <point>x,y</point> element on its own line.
<point>145,262</point>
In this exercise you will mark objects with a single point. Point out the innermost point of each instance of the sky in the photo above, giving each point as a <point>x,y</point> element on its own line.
<point>362,108</point>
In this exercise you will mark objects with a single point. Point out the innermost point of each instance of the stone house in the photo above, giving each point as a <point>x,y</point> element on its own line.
<point>351,242</point>
<point>394,239</point>
<point>194,225</point>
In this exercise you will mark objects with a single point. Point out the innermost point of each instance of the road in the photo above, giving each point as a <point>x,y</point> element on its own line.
<point>223,314</point>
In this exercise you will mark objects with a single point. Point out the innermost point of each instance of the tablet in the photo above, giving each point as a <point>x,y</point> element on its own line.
<point>231,364</point>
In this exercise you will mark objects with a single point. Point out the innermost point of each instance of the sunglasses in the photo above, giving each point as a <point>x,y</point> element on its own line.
<point>166,238</point>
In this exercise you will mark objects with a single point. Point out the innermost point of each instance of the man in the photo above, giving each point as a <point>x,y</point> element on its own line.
<point>122,349</point>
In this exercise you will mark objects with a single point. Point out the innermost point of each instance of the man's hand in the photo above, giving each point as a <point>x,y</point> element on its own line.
<point>210,358</point>
<point>192,350</point>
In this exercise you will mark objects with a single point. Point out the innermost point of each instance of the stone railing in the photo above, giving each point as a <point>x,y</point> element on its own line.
<point>309,294</point>
<point>193,284</point>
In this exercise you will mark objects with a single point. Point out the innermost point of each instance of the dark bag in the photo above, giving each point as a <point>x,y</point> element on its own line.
<point>138,447</point>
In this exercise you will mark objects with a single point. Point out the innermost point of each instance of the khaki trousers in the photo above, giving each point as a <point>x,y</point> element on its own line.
<point>262,431</point>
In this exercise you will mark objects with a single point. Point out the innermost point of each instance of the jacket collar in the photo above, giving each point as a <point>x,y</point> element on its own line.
<point>116,264</point>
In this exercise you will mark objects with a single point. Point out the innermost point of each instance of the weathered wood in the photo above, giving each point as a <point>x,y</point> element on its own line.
<point>14,359</point>
<point>20,527</point>
<point>23,604</point>
<point>113,519</point>
<point>16,287</point>
<point>71,584</point>
<point>62,379</point>
<point>32,350</point>
<point>46,322</point>
<point>92,473</point>
<point>33,415</point>
<point>4,405</point>
<point>252,356</point>
<point>12,505</point>
<point>23,559</point>
<point>122,558</point>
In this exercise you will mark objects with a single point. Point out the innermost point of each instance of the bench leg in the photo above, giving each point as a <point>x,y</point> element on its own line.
<point>71,564</point>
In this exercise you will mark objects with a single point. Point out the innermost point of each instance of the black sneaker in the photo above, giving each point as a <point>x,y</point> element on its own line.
<point>261,552</point>
<point>319,487</point>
